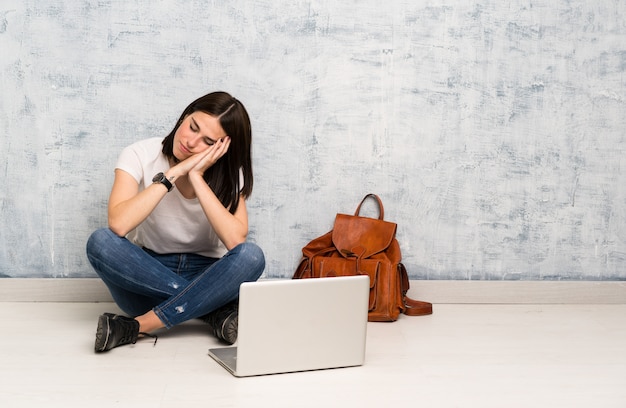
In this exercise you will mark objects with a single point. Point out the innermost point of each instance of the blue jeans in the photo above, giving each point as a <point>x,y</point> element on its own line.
<point>177,287</point>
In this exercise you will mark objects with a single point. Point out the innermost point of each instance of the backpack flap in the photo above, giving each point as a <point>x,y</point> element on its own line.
<point>361,237</point>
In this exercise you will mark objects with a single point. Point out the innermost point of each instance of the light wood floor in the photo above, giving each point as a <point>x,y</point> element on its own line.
<point>461,356</point>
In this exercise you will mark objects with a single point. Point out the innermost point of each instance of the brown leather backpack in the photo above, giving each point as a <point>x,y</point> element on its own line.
<point>364,246</point>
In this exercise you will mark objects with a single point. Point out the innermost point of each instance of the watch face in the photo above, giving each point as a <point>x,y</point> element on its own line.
<point>157,178</point>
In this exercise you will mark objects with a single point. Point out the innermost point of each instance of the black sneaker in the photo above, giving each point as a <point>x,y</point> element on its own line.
<point>224,322</point>
<point>115,330</point>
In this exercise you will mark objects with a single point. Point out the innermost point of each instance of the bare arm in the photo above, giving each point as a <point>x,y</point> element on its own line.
<point>127,206</point>
<point>231,228</point>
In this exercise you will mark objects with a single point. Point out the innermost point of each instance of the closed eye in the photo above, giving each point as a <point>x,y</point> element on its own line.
<point>193,126</point>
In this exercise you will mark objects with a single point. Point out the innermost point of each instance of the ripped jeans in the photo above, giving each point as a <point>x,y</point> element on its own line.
<point>177,287</point>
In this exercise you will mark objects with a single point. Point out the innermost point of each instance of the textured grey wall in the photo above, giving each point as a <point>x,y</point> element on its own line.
<point>493,131</point>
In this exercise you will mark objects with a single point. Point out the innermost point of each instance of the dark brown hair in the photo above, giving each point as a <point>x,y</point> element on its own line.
<point>223,176</point>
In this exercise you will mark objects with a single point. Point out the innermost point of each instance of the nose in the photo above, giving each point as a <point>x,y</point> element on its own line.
<point>192,142</point>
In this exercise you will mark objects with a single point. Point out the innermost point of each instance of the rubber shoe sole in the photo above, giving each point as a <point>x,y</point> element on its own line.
<point>230,328</point>
<point>103,332</point>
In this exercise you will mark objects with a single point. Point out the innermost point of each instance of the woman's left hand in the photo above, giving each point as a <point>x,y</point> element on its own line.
<point>211,155</point>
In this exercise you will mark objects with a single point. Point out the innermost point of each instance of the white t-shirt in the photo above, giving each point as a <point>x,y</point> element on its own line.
<point>177,224</point>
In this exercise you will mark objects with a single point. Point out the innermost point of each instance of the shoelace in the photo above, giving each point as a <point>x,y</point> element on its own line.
<point>154,336</point>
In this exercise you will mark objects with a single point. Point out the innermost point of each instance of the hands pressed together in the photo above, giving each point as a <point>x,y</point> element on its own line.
<point>198,163</point>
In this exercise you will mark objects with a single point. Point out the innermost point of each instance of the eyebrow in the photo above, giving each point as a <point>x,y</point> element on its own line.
<point>198,127</point>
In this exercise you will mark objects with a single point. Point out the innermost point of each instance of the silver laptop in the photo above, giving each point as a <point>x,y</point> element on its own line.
<point>291,325</point>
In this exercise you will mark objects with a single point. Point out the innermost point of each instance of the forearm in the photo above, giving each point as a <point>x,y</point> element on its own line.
<point>232,229</point>
<point>125,216</point>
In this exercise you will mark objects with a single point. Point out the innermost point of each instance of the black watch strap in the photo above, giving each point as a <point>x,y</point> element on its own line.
<point>160,178</point>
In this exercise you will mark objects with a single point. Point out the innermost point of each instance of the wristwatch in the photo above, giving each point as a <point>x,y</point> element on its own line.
<point>160,178</point>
